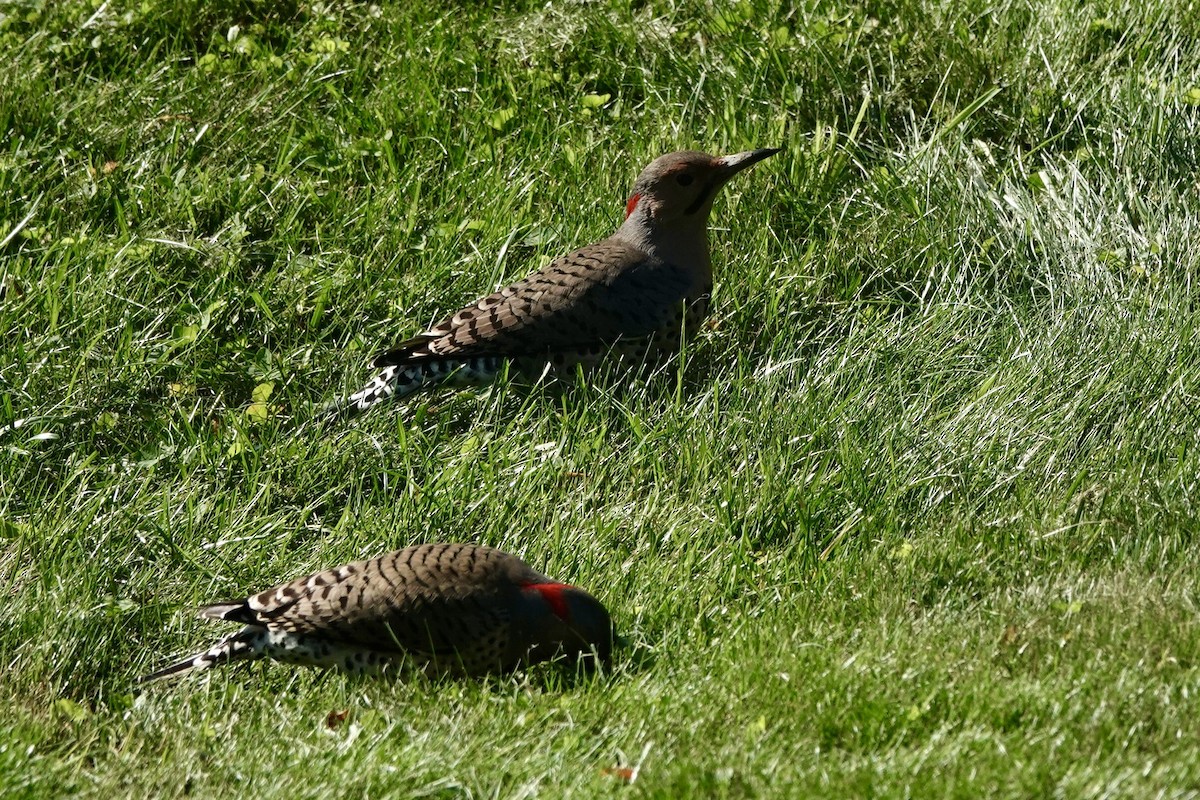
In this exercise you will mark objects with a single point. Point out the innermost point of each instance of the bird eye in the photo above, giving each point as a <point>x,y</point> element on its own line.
<point>685,179</point>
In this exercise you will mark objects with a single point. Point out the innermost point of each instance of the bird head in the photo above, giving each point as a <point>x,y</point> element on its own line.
<point>680,187</point>
<point>583,629</point>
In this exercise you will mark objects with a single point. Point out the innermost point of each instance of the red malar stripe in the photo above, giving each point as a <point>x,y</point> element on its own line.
<point>631,205</point>
<point>553,594</point>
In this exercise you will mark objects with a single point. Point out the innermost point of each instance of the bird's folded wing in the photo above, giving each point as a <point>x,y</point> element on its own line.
<point>593,297</point>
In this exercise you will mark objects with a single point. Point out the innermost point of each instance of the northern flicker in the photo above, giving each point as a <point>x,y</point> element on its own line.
<point>635,293</point>
<point>444,608</point>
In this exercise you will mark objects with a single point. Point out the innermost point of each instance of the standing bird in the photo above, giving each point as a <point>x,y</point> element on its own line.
<point>445,608</point>
<point>636,293</point>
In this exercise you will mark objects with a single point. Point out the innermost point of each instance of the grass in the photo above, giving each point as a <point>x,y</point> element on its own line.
<point>915,517</point>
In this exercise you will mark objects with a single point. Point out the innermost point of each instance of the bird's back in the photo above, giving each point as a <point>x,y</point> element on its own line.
<point>445,601</point>
<point>581,303</point>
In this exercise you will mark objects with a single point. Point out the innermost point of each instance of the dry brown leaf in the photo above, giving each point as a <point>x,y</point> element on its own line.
<point>627,774</point>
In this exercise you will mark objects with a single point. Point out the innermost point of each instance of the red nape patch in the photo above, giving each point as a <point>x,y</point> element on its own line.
<point>631,205</point>
<point>553,594</point>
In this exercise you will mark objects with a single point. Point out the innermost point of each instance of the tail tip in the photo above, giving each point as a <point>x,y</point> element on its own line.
<point>172,670</point>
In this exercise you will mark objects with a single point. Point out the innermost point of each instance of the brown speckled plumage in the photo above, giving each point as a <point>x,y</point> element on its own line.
<point>454,608</point>
<point>634,294</point>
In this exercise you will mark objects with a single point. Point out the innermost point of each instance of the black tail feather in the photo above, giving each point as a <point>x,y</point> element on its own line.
<point>235,647</point>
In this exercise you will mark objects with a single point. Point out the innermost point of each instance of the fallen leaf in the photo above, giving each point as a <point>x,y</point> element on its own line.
<point>258,412</point>
<point>71,710</point>
<point>595,100</point>
<point>336,718</point>
<point>627,774</point>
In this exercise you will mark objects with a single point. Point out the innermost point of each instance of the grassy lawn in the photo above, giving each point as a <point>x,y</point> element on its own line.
<point>915,516</point>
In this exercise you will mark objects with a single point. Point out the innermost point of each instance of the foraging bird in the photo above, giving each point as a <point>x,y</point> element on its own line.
<point>635,293</point>
<point>445,608</point>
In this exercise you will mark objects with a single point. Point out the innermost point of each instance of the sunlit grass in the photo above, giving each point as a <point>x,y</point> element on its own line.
<point>914,516</point>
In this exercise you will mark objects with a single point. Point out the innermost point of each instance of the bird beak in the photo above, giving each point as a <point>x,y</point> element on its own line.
<point>732,165</point>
